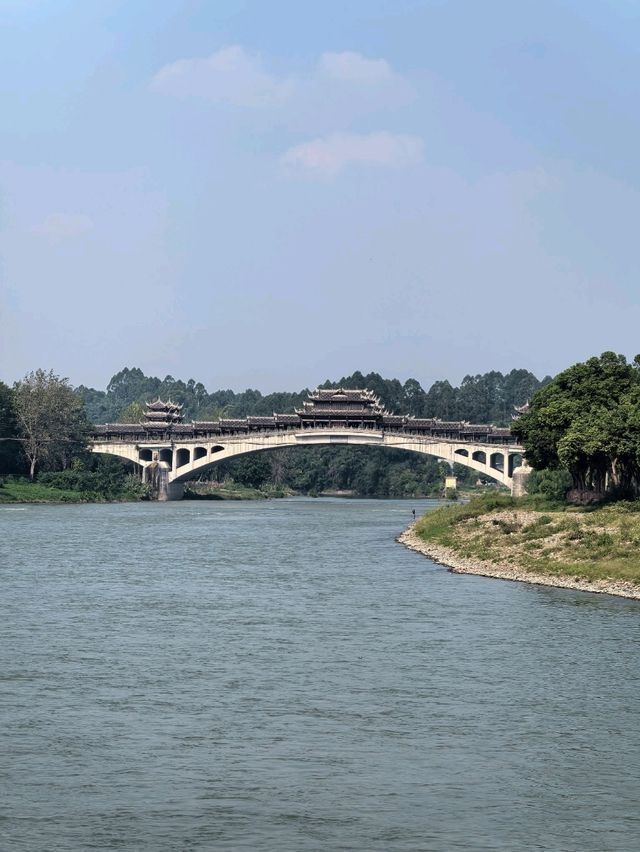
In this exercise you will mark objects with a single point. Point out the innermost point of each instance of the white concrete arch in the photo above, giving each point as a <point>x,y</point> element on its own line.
<point>126,452</point>
<point>246,444</point>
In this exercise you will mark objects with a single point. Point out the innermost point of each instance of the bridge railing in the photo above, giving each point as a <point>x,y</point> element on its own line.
<point>115,433</point>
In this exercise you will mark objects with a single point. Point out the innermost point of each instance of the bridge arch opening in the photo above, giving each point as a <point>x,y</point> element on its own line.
<point>183,456</point>
<point>199,453</point>
<point>166,455</point>
<point>464,453</point>
<point>515,460</point>
<point>497,462</point>
<point>145,455</point>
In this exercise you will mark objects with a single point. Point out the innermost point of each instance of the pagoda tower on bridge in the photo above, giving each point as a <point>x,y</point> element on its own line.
<point>340,406</point>
<point>161,414</point>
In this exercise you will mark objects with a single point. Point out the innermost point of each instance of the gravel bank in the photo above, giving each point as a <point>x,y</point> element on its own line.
<point>461,565</point>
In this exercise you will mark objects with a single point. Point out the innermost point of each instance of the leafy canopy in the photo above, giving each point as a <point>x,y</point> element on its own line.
<point>587,420</point>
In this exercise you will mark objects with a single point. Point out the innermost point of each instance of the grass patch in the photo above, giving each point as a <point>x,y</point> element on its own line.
<point>542,537</point>
<point>233,491</point>
<point>33,492</point>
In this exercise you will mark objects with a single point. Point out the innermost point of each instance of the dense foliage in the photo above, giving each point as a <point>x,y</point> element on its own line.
<point>11,455</point>
<point>587,421</point>
<point>365,471</point>
<point>51,424</point>
<point>98,477</point>
<point>488,398</point>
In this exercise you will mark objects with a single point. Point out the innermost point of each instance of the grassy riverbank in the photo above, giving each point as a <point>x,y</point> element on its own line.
<point>232,491</point>
<point>529,539</point>
<point>33,492</point>
<point>23,491</point>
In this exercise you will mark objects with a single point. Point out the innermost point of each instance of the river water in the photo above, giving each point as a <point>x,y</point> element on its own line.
<point>284,676</point>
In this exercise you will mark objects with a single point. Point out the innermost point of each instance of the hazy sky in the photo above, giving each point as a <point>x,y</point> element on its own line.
<point>273,192</point>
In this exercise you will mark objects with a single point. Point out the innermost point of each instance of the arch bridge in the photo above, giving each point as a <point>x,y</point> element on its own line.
<point>170,452</point>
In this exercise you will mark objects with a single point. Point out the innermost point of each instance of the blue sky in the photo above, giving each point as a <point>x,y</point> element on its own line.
<point>268,194</point>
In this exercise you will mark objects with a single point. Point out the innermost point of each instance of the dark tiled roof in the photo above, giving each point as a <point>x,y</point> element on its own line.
<point>159,405</point>
<point>421,422</point>
<point>339,394</point>
<point>332,411</point>
<point>261,421</point>
<point>120,428</point>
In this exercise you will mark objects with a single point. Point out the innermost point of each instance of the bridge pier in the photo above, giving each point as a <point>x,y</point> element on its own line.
<point>174,491</point>
<point>157,474</point>
<point>519,479</point>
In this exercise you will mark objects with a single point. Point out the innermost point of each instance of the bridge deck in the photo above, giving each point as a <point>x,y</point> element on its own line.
<point>182,432</point>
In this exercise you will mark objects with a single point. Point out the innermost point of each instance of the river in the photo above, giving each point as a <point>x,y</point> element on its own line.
<point>283,676</point>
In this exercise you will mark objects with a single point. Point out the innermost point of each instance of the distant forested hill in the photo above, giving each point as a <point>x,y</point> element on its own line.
<point>486,398</point>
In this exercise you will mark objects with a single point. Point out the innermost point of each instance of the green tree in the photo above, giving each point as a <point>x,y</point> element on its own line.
<point>10,451</point>
<point>52,425</point>
<point>252,470</point>
<point>133,413</point>
<point>587,421</point>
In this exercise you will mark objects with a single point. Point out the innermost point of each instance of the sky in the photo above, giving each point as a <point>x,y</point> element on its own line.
<point>270,194</point>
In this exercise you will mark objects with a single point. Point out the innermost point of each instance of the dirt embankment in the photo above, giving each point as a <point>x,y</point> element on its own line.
<point>512,547</point>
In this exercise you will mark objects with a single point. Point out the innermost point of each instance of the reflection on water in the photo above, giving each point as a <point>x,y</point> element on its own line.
<point>284,676</point>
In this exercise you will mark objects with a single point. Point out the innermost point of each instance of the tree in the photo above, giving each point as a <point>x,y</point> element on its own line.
<point>133,413</point>
<point>252,470</point>
<point>52,425</point>
<point>414,398</point>
<point>10,456</point>
<point>441,401</point>
<point>587,421</point>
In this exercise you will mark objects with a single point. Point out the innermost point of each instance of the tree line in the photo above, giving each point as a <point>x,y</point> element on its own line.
<point>486,398</point>
<point>45,424</point>
<point>584,426</point>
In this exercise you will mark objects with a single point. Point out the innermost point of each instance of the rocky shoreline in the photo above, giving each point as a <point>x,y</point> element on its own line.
<point>461,565</point>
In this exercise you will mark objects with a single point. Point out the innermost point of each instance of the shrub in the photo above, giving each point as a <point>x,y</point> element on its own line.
<point>552,484</point>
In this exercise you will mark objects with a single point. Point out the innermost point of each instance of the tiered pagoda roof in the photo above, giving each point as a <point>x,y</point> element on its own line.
<point>520,409</point>
<point>352,404</point>
<point>159,413</point>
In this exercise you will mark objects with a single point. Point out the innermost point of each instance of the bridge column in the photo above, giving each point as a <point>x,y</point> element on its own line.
<point>520,476</point>
<point>173,491</point>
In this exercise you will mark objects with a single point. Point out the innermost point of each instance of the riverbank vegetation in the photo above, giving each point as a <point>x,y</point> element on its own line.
<point>580,522</point>
<point>229,490</point>
<point>92,479</point>
<point>586,422</point>
<point>538,536</point>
